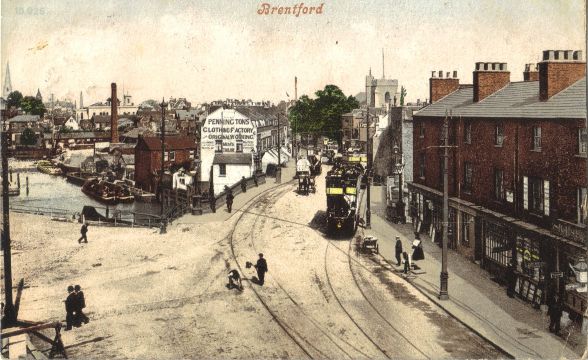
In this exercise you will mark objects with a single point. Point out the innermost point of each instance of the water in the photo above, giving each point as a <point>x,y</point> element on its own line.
<point>48,191</point>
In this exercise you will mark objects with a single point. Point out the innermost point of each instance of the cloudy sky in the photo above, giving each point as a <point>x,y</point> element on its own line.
<point>206,50</point>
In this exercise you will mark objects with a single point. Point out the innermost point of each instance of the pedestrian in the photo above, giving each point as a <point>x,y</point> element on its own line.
<point>243,184</point>
<point>417,250</point>
<point>212,201</point>
<point>83,231</point>
<point>555,312</point>
<point>398,250</point>
<point>406,259</point>
<point>261,268</point>
<point>230,200</point>
<point>81,304</point>
<point>235,279</point>
<point>70,308</point>
<point>255,181</point>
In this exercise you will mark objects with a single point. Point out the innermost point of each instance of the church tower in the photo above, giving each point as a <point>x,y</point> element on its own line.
<point>7,89</point>
<point>39,96</point>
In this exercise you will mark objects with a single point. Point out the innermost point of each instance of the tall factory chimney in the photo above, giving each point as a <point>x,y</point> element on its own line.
<point>296,88</point>
<point>113,114</point>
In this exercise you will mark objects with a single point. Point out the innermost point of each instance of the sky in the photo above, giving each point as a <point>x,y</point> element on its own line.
<point>207,50</point>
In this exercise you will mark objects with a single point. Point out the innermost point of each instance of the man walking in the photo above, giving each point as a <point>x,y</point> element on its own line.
<point>243,184</point>
<point>261,268</point>
<point>70,308</point>
<point>81,303</point>
<point>83,231</point>
<point>555,312</point>
<point>229,200</point>
<point>398,250</point>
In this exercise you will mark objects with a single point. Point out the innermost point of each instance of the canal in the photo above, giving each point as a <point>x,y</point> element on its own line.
<point>49,191</point>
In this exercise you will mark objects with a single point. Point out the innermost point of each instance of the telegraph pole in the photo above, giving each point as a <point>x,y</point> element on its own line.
<point>368,212</point>
<point>9,310</point>
<point>163,105</point>
<point>279,172</point>
<point>443,291</point>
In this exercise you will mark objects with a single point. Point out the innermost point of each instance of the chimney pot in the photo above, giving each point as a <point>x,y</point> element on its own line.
<point>569,54</point>
<point>577,55</point>
<point>440,73</point>
<point>433,74</point>
<point>455,74</point>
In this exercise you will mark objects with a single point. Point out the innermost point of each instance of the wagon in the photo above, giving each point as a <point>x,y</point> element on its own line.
<point>369,244</point>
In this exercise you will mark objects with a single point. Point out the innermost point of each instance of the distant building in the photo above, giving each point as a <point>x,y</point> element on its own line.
<point>380,92</point>
<point>17,124</point>
<point>126,107</point>
<point>179,152</point>
<point>517,172</point>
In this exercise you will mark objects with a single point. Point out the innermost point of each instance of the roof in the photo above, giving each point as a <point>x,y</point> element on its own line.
<point>233,159</point>
<point>83,135</point>
<point>171,143</point>
<point>516,100</point>
<point>24,118</point>
<point>135,132</point>
<point>101,118</point>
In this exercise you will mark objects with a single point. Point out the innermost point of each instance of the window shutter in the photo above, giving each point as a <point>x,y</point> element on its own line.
<point>525,192</point>
<point>546,197</point>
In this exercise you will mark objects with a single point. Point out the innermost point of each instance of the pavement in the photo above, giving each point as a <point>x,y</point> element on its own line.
<point>241,199</point>
<point>475,299</point>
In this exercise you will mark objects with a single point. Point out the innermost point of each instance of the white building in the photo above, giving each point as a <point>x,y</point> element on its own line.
<point>228,142</point>
<point>72,124</point>
<point>125,107</point>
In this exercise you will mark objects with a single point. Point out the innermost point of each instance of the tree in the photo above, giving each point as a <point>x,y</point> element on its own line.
<point>402,95</point>
<point>32,105</point>
<point>28,137</point>
<point>322,116</point>
<point>14,99</point>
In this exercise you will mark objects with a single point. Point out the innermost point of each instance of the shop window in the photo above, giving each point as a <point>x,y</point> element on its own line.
<point>422,166</point>
<point>239,146</point>
<point>467,134</point>
<point>497,244</point>
<point>499,184</point>
<point>536,138</point>
<point>582,206</point>
<point>468,176</point>
<point>218,146</point>
<point>528,258</point>
<point>466,220</point>
<point>498,135</point>
<point>222,170</point>
<point>582,141</point>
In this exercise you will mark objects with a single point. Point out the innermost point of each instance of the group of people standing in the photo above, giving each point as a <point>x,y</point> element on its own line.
<point>74,305</point>
<point>402,256</point>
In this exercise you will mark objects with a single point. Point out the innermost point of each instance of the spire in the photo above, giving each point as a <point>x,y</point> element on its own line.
<point>81,100</point>
<point>383,73</point>
<point>7,89</point>
<point>370,71</point>
<point>38,96</point>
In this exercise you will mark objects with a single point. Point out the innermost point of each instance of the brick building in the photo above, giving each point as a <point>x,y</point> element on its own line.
<point>517,172</point>
<point>180,151</point>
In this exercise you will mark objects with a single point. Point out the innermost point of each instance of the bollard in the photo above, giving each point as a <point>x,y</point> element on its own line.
<point>27,181</point>
<point>18,180</point>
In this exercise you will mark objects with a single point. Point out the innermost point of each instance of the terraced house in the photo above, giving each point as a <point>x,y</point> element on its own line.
<point>517,173</point>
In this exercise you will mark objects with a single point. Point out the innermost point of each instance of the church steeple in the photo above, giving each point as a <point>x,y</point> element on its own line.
<point>7,89</point>
<point>39,97</point>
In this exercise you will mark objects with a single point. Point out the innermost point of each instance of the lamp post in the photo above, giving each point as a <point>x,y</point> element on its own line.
<point>9,311</point>
<point>398,170</point>
<point>443,288</point>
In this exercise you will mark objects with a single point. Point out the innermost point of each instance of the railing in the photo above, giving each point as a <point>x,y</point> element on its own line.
<point>39,210</point>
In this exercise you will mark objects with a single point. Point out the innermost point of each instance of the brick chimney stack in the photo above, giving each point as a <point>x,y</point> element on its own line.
<point>440,87</point>
<point>113,114</point>
<point>531,72</point>
<point>558,70</point>
<point>489,78</point>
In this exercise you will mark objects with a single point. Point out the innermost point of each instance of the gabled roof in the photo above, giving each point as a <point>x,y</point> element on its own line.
<point>153,143</point>
<point>516,100</point>
<point>233,159</point>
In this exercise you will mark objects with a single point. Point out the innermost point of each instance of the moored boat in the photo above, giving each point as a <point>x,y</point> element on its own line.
<point>107,192</point>
<point>47,167</point>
